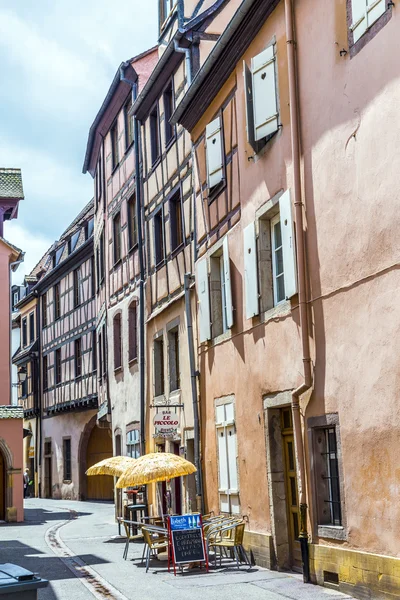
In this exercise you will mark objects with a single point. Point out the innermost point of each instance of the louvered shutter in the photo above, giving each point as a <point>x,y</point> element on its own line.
<point>248,88</point>
<point>265,105</point>
<point>359,16</point>
<point>204,300</point>
<point>232,459</point>
<point>250,271</point>
<point>288,245</point>
<point>222,460</point>
<point>228,288</point>
<point>214,153</point>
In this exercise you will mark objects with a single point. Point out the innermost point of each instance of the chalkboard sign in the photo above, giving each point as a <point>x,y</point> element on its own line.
<point>188,546</point>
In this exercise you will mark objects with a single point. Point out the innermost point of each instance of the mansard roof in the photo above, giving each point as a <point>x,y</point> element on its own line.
<point>11,184</point>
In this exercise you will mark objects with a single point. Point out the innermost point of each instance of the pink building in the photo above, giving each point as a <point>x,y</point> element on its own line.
<point>11,417</point>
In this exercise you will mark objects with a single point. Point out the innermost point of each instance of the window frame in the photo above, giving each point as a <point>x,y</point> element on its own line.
<point>24,331</point>
<point>155,138</point>
<point>159,378</point>
<point>276,220</point>
<point>45,372</point>
<point>174,359</point>
<point>159,243</point>
<point>67,459</point>
<point>176,218</point>
<point>134,443</point>
<point>44,310</point>
<point>131,209</point>
<point>76,288</point>
<point>169,107</point>
<point>132,332</point>
<point>117,342</point>
<point>114,145</point>
<point>57,300</point>
<point>128,122</point>
<point>117,248</point>
<point>32,327</point>
<point>57,367</point>
<point>225,425</point>
<point>78,358</point>
<point>369,33</point>
<point>314,426</point>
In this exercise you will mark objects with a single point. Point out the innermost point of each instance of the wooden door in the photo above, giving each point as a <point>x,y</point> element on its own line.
<point>291,488</point>
<point>2,488</point>
<point>47,477</point>
<point>99,487</point>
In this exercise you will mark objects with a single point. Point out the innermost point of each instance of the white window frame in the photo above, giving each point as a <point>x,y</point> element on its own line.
<point>223,293</point>
<point>133,445</point>
<point>225,425</point>
<point>374,9</point>
<point>274,249</point>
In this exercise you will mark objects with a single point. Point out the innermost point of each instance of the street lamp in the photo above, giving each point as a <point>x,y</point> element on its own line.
<point>22,373</point>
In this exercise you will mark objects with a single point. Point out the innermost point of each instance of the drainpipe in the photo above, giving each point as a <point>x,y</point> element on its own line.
<point>188,278</point>
<point>186,52</point>
<point>301,265</point>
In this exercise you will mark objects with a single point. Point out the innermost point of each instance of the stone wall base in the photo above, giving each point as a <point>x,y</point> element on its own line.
<point>260,546</point>
<point>360,574</point>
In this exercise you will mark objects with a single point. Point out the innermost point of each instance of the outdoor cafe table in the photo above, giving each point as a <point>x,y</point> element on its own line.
<point>136,513</point>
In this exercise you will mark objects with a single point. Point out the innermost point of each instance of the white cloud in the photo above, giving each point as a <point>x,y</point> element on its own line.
<point>33,245</point>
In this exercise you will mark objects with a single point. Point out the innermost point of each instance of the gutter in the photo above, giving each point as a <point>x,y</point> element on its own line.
<point>301,266</point>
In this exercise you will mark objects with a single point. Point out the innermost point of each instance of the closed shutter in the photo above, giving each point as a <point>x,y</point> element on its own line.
<point>248,88</point>
<point>204,300</point>
<point>264,94</point>
<point>250,271</point>
<point>232,459</point>
<point>359,15</point>
<point>288,244</point>
<point>214,153</point>
<point>228,288</point>
<point>222,460</point>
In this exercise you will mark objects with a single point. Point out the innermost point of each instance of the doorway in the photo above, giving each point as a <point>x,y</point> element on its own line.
<point>2,488</point>
<point>177,488</point>
<point>99,487</point>
<point>292,506</point>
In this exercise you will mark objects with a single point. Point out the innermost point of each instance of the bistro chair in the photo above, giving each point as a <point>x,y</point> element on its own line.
<point>232,541</point>
<point>129,536</point>
<point>153,543</point>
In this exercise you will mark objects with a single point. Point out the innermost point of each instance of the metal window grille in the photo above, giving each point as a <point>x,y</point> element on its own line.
<point>332,476</point>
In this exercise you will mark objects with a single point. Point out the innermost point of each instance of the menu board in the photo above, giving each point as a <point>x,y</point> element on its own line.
<point>188,546</point>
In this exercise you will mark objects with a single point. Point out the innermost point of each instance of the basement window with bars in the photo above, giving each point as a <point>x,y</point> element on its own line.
<point>327,458</point>
<point>67,459</point>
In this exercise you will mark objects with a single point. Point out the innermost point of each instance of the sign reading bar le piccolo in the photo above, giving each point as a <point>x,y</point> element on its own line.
<point>166,423</point>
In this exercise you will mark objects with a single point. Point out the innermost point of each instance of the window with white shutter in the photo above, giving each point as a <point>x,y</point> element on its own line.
<point>214,153</point>
<point>228,487</point>
<point>227,285</point>
<point>364,14</point>
<point>262,114</point>
<point>288,244</point>
<point>203,295</point>
<point>220,291</point>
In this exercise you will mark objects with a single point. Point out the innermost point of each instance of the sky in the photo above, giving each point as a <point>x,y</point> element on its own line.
<point>57,62</point>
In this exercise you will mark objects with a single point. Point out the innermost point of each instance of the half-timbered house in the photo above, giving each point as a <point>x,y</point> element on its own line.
<point>188,31</point>
<point>71,439</point>
<point>111,160</point>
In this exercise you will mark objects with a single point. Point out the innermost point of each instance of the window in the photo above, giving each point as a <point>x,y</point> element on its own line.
<point>364,14</point>
<point>24,388</point>
<point>176,220</point>
<point>278,281</point>
<point>57,366</point>
<point>78,358</point>
<point>94,350</point>
<point>133,443</point>
<point>67,459</point>
<point>118,444</point>
<point>168,110</point>
<point>73,241</point>
<point>117,237</point>
<point>132,223</point>
<point>24,332</point>
<point>77,291</point>
<point>92,277</point>
<point>221,294</point>
<point>104,350</point>
<point>45,373</point>
<point>227,459</point>
<point>57,309</point>
<point>327,470</point>
<point>128,123</point>
<point>98,181</point>
<point>159,367</point>
<point>15,299</point>
<point>89,229</point>
<point>261,98</point>
<point>214,153</point>
<point>114,145</point>
<point>100,351</point>
<point>158,238</point>
<point>31,327</point>
<point>173,359</point>
<point>58,255</point>
<point>154,136</point>
<point>117,341</point>
<point>100,260</point>
<point>44,310</point>
<point>167,6</point>
<point>132,320</point>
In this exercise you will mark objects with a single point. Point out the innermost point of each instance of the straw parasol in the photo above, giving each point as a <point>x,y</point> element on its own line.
<point>115,465</point>
<point>158,466</point>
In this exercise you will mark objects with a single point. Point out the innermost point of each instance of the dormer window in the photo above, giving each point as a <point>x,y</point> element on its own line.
<point>166,8</point>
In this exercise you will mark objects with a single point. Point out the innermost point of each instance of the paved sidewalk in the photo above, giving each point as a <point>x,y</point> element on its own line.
<point>80,552</point>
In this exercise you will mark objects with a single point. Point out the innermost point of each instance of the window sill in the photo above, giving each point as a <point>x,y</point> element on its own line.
<point>117,263</point>
<point>216,191</point>
<point>78,378</point>
<point>154,166</point>
<point>222,337</point>
<point>160,264</point>
<point>279,310</point>
<point>133,248</point>
<point>128,148</point>
<point>170,143</point>
<point>69,481</point>
<point>114,169</point>
<point>332,532</point>
<point>133,361</point>
<point>178,249</point>
<point>118,370</point>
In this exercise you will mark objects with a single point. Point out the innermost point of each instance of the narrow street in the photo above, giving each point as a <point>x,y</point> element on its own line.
<point>75,545</point>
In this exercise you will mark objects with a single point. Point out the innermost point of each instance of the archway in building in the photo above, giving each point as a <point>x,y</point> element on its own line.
<point>99,447</point>
<point>2,487</point>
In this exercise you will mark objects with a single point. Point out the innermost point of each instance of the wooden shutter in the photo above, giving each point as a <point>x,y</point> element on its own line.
<point>228,288</point>
<point>222,460</point>
<point>264,94</point>
<point>232,459</point>
<point>288,245</point>
<point>214,153</point>
<point>250,271</point>
<point>204,300</point>
<point>248,87</point>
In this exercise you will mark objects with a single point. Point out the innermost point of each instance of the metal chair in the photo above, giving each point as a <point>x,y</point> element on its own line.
<point>129,536</point>
<point>233,541</point>
<point>153,542</point>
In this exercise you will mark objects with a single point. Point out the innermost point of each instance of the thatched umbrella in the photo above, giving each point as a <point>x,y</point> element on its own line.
<point>158,466</point>
<point>115,465</point>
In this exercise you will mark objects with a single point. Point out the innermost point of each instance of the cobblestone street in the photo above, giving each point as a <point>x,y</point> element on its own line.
<point>75,545</point>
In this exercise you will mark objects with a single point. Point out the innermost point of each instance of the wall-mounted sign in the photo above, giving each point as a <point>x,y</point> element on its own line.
<point>166,423</point>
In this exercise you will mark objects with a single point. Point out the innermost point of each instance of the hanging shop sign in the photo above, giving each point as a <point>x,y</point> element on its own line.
<point>166,424</point>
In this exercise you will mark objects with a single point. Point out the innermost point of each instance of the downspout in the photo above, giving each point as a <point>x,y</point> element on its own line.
<point>301,265</point>
<point>187,53</point>
<point>188,278</point>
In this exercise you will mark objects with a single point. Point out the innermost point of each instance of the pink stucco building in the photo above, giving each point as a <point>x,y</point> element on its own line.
<point>11,417</point>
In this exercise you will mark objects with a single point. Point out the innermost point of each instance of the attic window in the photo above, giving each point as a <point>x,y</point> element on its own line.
<point>59,254</point>
<point>89,228</point>
<point>73,241</point>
